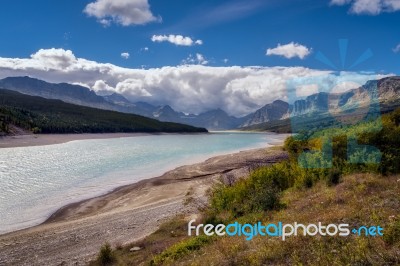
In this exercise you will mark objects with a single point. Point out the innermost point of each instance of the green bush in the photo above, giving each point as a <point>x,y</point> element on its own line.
<point>106,255</point>
<point>260,192</point>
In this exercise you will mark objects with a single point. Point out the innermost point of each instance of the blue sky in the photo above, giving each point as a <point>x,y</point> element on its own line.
<point>228,33</point>
<point>239,31</point>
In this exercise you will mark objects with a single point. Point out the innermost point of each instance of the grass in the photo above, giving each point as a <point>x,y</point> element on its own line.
<point>168,234</point>
<point>359,199</point>
<point>180,250</point>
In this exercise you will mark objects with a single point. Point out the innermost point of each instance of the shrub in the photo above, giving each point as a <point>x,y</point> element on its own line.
<point>260,192</point>
<point>106,255</point>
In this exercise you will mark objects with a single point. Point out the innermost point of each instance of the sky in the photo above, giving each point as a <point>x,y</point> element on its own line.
<point>236,55</point>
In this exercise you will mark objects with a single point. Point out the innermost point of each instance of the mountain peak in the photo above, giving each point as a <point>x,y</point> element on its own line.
<point>276,110</point>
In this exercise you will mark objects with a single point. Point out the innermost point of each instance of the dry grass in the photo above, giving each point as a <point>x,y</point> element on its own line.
<point>360,199</point>
<point>168,234</point>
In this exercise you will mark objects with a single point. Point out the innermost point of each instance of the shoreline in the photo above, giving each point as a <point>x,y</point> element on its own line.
<point>126,213</point>
<point>31,140</point>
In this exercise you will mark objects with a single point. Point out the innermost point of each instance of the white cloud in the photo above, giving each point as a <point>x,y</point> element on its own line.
<point>305,90</point>
<point>123,12</point>
<point>125,55</point>
<point>81,84</point>
<point>345,86</point>
<point>176,39</point>
<point>198,59</point>
<point>133,87</point>
<point>105,22</point>
<point>102,88</point>
<point>201,60</point>
<point>372,7</point>
<point>226,60</point>
<point>289,50</point>
<point>187,88</point>
<point>369,7</point>
<point>54,58</point>
<point>396,49</point>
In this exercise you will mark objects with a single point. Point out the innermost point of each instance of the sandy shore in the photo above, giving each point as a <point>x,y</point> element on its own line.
<point>74,234</point>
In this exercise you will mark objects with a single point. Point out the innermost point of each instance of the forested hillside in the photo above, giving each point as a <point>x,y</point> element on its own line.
<point>41,115</point>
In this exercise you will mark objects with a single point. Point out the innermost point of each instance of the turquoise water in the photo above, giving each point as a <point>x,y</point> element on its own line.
<point>36,181</point>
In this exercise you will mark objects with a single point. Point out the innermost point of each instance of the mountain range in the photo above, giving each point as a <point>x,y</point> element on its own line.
<point>75,94</point>
<point>385,92</point>
<point>388,94</point>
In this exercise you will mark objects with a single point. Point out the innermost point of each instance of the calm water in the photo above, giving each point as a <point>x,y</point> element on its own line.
<point>36,181</point>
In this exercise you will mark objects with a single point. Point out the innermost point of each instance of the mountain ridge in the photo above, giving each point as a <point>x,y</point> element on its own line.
<point>387,90</point>
<point>76,94</point>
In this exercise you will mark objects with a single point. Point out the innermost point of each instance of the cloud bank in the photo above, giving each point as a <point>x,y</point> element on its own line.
<point>123,12</point>
<point>289,50</point>
<point>369,7</point>
<point>187,88</point>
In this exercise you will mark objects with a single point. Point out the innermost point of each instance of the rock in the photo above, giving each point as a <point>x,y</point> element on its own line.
<point>135,249</point>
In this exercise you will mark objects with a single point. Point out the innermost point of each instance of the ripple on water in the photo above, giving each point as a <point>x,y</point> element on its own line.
<point>36,181</point>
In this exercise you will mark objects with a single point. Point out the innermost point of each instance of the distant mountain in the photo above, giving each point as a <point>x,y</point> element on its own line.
<point>389,89</point>
<point>213,119</point>
<point>166,113</point>
<point>118,99</point>
<point>69,93</point>
<point>219,120</point>
<point>121,104</point>
<point>318,103</point>
<point>273,111</point>
<point>385,91</point>
<point>41,115</point>
<point>80,95</point>
<point>65,92</point>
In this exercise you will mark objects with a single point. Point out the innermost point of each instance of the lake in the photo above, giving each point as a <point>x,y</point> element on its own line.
<point>37,181</point>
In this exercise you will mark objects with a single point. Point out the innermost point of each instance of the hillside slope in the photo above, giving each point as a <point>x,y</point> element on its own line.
<point>54,116</point>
